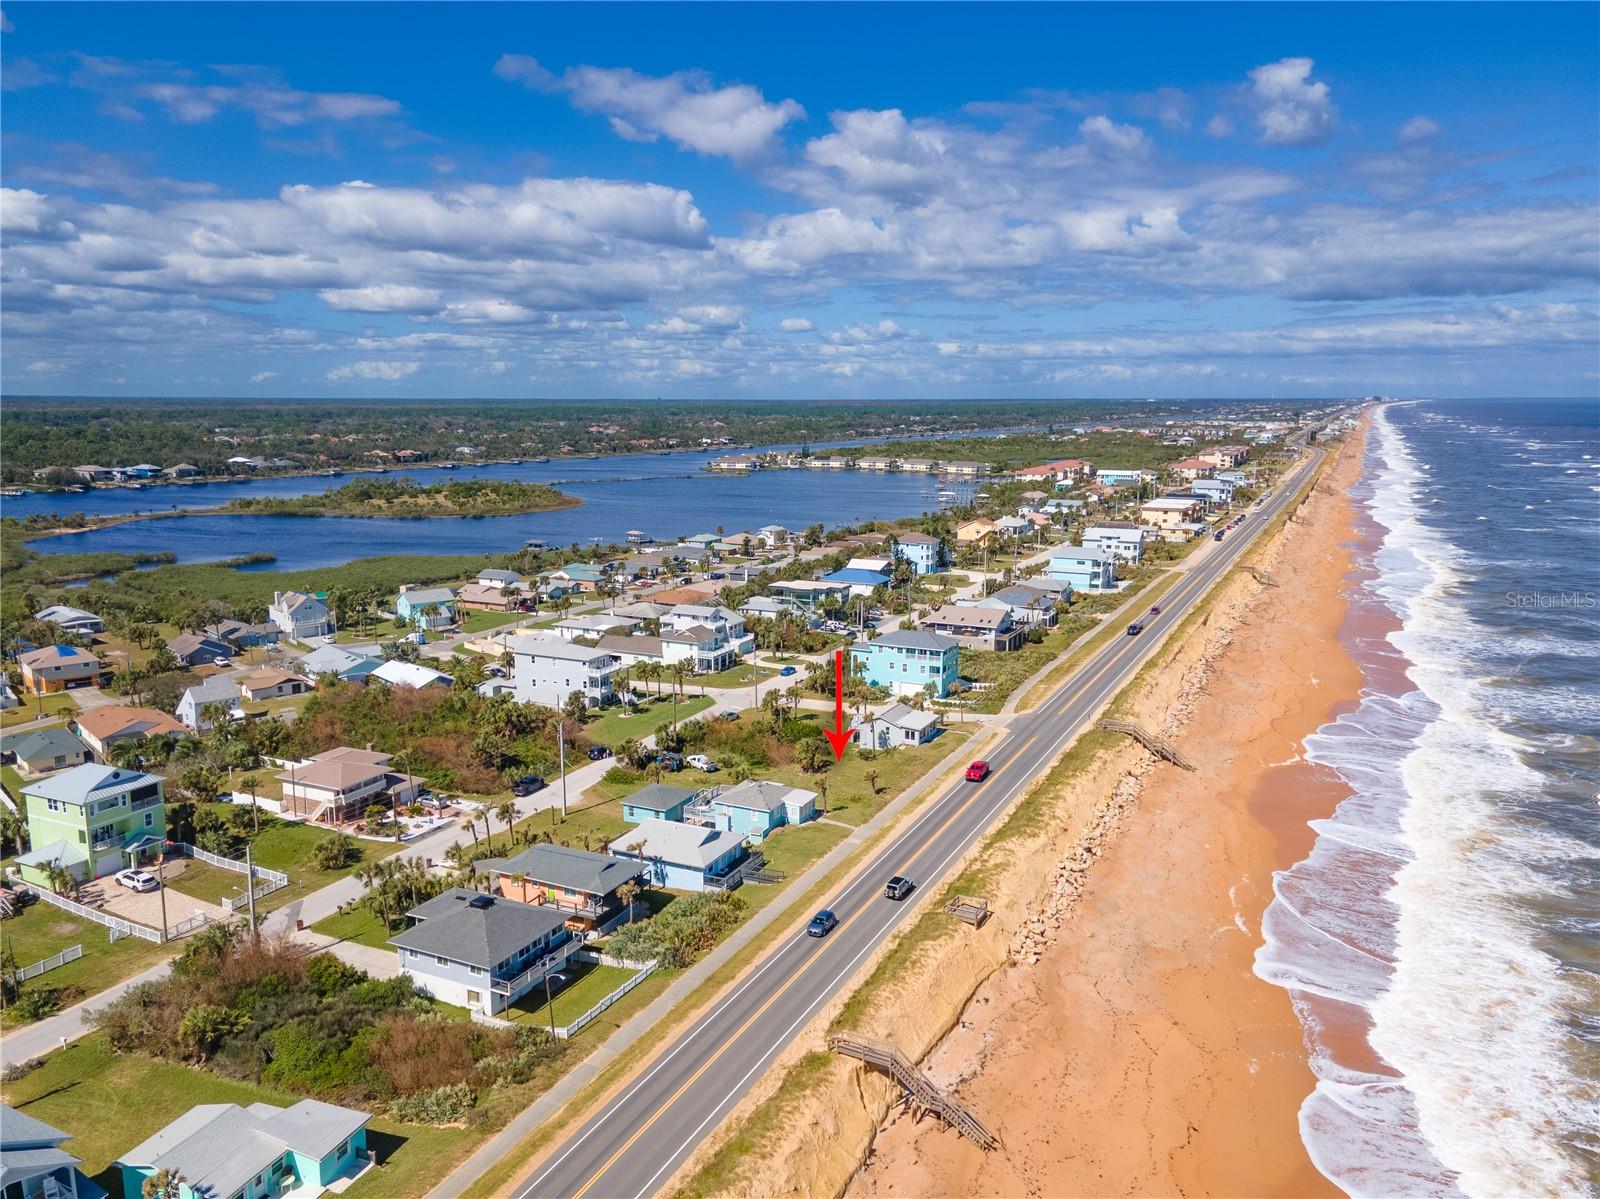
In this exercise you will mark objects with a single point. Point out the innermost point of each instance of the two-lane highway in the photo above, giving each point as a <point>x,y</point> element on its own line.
<point>628,1148</point>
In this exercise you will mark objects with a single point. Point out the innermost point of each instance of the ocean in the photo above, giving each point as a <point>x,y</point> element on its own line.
<point>1441,941</point>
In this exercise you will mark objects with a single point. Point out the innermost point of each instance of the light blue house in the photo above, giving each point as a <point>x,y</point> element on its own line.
<point>860,582</point>
<point>1216,491</point>
<point>908,661</point>
<point>656,801</point>
<point>33,1164</point>
<point>1086,568</point>
<point>1237,477</point>
<point>924,554</point>
<point>754,808</point>
<point>345,665</point>
<point>426,607</point>
<point>224,1151</point>
<point>684,857</point>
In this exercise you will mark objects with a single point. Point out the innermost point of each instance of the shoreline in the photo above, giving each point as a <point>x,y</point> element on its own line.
<point>1166,1064</point>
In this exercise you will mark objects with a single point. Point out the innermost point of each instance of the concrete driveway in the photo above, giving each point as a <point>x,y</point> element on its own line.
<point>144,907</point>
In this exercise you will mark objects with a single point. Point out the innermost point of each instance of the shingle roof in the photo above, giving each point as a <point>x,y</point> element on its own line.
<point>418,596</point>
<point>45,742</point>
<point>555,647</point>
<point>762,795</point>
<point>658,797</point>
<point>964,614</point>
<point>333,659</point>
<point>563,866</point>
<point>18,1130</point>
<point>409,674</point>
<point>49,655</point>
<point>483,935</point>
<point>219,689</point>
<point>910,639</point>
<point>679,844</point>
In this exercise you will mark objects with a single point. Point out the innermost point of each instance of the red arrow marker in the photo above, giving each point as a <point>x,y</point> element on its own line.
<point>838,736</point>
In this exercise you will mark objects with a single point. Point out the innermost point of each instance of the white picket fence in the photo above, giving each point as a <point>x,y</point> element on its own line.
<point>276,877</point>
<point>70,954</point>
<point>119,927</point>
<point>646,969</point>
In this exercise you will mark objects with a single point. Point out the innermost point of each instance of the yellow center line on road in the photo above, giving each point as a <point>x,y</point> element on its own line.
<point>729,1042</point>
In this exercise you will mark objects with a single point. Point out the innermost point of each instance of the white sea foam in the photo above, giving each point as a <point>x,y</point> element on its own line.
<point>1407,907</point>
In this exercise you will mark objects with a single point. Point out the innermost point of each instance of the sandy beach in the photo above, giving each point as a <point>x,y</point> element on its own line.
<point>1140,1055</point>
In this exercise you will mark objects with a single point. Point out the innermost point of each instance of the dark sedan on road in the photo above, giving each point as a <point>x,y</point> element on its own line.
<point>528,784</point>
<point>823,923</point>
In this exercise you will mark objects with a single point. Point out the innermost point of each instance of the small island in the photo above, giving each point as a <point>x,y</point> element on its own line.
<point>399,498</point>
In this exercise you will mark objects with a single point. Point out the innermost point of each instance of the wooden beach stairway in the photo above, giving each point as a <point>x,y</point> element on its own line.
<point>921,1092</point>
<point>1160,746</point>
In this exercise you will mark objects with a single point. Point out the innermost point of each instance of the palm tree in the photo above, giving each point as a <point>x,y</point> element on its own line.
<point>127,753</point>
<point>252,785</point>
<point>506,812</point>
<point>628,892</point>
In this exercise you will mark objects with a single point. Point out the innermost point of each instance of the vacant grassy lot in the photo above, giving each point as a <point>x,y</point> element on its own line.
<point>281,845</point>
<point>742,675</point>
<point>477,620</point>
<point>358,925</point>
<point>619,724</point>
<point>39,931</point>
<point>110,1102</point>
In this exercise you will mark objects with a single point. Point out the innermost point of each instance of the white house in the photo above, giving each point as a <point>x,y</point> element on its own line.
<point>412,675</point>
<point>895,726</point>
<point>726,621</point>
<point>70,619</point>
<point>1120,537</point>
<point>219,690</point>
<point>300,616</point>
<point>547,670</point>
<point>705,649</point>
<point>595,625</point>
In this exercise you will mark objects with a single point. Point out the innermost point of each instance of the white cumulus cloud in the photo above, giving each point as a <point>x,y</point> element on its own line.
<point>1418,128</point>
<point>795,324</point>
<point>1291,109</point>
<point>263,376</point>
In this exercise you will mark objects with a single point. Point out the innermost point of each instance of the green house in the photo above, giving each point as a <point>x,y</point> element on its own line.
<point>94,820</point>
<point>224,1151</point>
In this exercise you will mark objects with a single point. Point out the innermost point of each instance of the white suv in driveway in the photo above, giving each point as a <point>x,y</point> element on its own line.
<point>137,880</point>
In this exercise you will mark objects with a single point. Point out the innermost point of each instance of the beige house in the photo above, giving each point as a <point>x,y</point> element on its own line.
<point>976,532</point>
<point>272,683</point>
<point>975,628</point>
<point>340,785</point>
<point>1168,511</point>
<point>101,728</point>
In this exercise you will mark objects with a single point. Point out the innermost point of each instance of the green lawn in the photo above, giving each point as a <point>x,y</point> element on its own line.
<point>617,725</point>
<point>742,675</point>
<point>14,784</point>
<point>281,845</point>
<point>40,930</point>
<point>586,820</point>
<point>791,850</point>
<point>478,620</point>
<point>358,925</point>
<point>588,985</point>
<point>33,707</point>
<point>110,1102</point>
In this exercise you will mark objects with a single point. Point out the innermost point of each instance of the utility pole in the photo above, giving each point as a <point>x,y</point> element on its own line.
<point>250,890</point>
<point>561,749</point>
<point>161,889</point>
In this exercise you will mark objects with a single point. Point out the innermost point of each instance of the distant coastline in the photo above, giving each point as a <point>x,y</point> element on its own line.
<point>401,499</point>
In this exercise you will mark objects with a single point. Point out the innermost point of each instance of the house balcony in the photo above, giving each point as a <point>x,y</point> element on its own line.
<point>518,983</point>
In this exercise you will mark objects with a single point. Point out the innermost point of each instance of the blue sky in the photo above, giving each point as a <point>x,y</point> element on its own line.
<point>799,200</point>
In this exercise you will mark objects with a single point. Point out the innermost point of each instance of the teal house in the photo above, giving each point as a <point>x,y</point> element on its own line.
<point>908,661</point>
<point>426,608</point>
<point>656,801</point>
<point>754,807</point>
<point>224,1151</point>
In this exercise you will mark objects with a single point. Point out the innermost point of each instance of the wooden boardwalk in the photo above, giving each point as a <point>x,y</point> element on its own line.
<point>920,1091</point>
<point>1160,746</point>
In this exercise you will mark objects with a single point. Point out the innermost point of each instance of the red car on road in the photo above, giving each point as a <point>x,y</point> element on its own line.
<point>977,772</point>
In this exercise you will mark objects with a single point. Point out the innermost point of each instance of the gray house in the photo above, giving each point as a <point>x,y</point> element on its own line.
<point>47,749</point>
<point>482,952</point>
<point>579,884</point>
<point>33,1164</point>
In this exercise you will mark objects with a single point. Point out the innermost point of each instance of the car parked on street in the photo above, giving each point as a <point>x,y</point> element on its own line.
<point>528,784</point>
<point>137,880</point>
<point>823,923</point>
